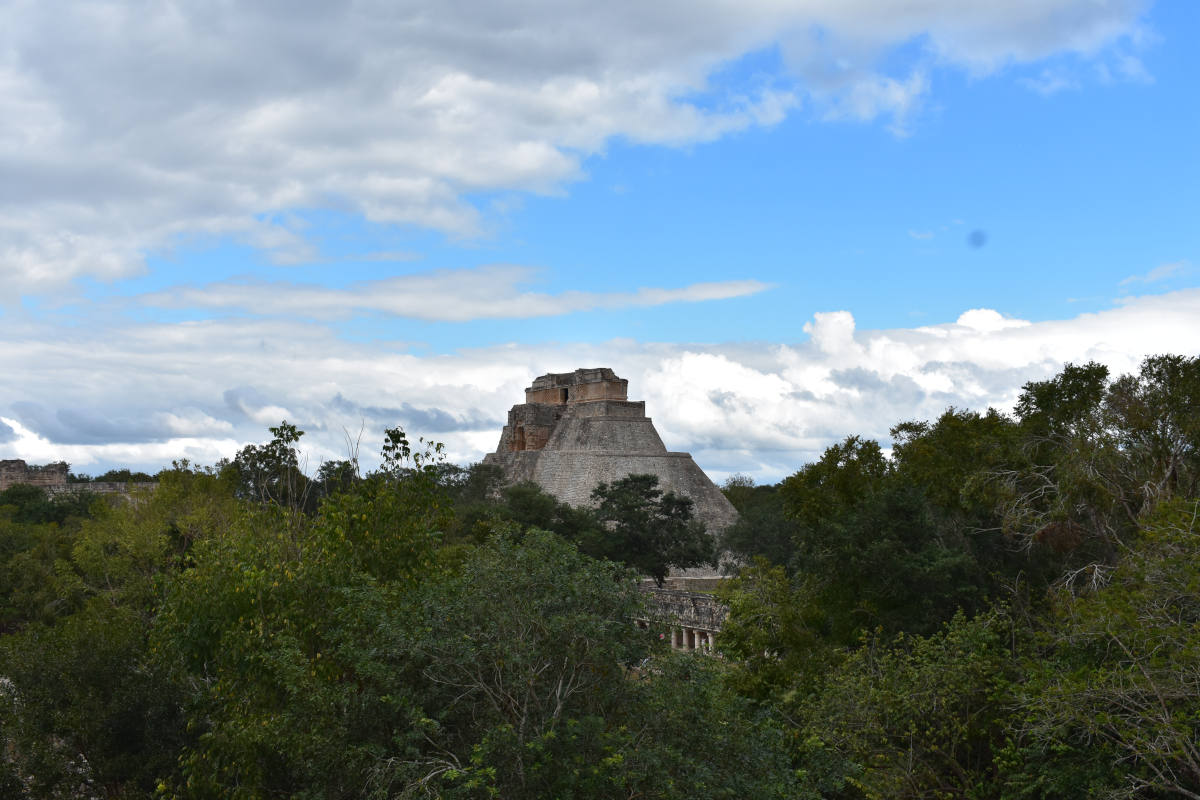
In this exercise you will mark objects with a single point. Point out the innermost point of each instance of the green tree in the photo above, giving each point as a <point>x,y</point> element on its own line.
<point>530,506</point>
<point>275,625</point>
<point>335,477</point>
<point>534,683</point>
<point>27,503</point>
<point>30,554</point>
<point>123,475</point>
<point>648,529</point>
<point>270,473</point>
<point>775,636</point>
<point>519,656</point>
<point>1156,416</point>
<point>634,523</point>
<point>954,463</point>
<point>1104,454</point>
<point>1117,684</point>
<point>89,705</point>
<point>950,459</point>
<point>868,550</point>
<point>847,474</point>
<point>687,735</point>
<point>763,528</point>
<point>919,717</point>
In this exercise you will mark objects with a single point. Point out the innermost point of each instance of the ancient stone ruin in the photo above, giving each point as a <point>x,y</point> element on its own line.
<point>49,477</point>
<point>52,478</point>
<point>694,618</point>
<point>579,429</point>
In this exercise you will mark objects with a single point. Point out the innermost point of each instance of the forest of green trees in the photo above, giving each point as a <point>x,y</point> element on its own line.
<point>1002,606</point>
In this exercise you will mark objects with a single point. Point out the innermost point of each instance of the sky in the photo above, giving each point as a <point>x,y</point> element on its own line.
<point>783,222</point>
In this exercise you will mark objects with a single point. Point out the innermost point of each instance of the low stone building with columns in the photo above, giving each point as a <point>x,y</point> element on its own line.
<point>694,618</point>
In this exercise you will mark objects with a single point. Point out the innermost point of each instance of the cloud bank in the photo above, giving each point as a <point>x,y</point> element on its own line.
<point>128,127</point>
<point>141,395</point>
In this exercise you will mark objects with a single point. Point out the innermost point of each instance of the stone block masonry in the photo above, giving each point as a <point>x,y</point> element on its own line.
<point>578,429</point>
<point>52,478</point>
<point>693,619</point>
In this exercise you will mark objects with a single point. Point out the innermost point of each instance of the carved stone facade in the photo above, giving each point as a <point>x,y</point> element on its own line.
<point>692,619</point>
<point>578,429</point>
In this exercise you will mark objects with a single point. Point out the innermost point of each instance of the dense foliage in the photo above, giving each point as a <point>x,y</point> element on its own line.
<point>1007,607</point>
<point>1000,607</point>
<point>225,635</point>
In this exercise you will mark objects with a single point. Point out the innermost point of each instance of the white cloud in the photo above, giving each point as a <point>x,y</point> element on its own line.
<point>492,292</point>
<point>1160,273</point>
<point>126,126</point>
<point>391,255</point>
<point>1132,69</point>
<point>986,320</point>
<point>880,95</point>
<point>138,396</point>
<point>1050,82</point>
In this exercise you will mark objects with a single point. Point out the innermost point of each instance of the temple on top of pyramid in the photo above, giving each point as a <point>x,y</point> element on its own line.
<point>578,429</point>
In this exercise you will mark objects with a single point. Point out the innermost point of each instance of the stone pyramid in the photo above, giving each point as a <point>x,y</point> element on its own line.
<point>578,429</point>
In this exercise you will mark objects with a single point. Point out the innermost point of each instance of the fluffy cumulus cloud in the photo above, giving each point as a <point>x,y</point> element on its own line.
<point>143,395</point>
<point>126,126</point>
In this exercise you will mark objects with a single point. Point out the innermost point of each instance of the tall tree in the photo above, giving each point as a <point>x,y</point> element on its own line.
<point>1119,673</point>
<point>763,529</point>
<point>271,473</point>
<point>1103,455</point>
<point>649,529</point>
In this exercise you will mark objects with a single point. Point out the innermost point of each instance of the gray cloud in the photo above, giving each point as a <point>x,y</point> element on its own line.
<point>244,401</point>
<point>431,420</point>
<point>897,390</point>
<point>86,426</point>
<point>7,434</point>
<point>126,125</point>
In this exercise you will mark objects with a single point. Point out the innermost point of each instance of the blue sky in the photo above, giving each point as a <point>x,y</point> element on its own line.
<point>785,223</point>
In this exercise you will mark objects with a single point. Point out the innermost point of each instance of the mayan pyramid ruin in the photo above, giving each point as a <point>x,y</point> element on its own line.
<point>579,429</point>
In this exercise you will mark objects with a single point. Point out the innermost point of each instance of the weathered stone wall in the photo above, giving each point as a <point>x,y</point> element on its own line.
<point>529,427</point>
<point>560,388</point>
<point>14,471</point>
<point>610,408</point>
<point>613,434</point>
<point>518,466</point>
<point>53,479</point>
<point>103,487</point>
<point>571,476</point>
